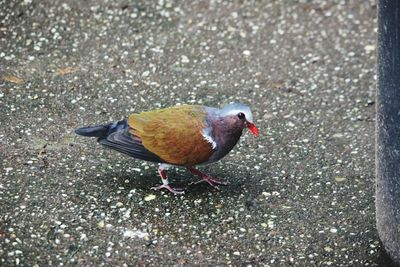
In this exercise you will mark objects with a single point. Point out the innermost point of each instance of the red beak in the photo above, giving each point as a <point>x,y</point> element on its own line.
<point>252,127</point>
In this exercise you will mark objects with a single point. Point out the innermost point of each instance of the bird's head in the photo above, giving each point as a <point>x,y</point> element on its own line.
<point>240,116</point>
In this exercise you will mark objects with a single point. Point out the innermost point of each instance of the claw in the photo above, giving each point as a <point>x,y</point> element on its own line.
<point>211,181</point>
<point>205,178</point>
<point>176,191</point>
<point>164,179</point>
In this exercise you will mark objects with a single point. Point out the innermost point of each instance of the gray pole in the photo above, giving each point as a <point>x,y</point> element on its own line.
<point>388,128</point>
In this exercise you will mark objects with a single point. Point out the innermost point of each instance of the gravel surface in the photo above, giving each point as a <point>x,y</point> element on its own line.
<point>301,194</point>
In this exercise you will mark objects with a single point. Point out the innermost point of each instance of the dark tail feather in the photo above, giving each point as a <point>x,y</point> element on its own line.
<point>95,131</point>
<point>101,131</point>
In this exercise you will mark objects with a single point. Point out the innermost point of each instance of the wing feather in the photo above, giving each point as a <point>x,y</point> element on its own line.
<point>123,141</point>
<point>173,134</point>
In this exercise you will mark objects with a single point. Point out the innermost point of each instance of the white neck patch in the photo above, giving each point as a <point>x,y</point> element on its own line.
<point>206,133</point>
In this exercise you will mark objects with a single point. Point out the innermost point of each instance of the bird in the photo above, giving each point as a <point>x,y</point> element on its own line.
<point>182,135</point>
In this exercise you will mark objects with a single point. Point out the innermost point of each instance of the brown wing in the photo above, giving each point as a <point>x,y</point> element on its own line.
<point>173,134</point>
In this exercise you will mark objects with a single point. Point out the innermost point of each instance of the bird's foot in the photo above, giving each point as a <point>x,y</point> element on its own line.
<point>175,191</point>
<point>205,178</point>
<point>211,181</point>
<point>164,179</point>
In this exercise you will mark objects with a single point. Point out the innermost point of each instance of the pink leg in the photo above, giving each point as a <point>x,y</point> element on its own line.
<point>165,185</point>
<point>206,178</point>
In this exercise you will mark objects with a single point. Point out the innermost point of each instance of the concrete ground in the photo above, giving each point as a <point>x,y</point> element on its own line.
<point>301,194</point>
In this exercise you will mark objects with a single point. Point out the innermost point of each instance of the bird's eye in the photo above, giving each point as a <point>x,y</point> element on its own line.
<point>241,116</point>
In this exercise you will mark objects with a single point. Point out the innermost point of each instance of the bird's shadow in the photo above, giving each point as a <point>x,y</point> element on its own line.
<point>180,178</point>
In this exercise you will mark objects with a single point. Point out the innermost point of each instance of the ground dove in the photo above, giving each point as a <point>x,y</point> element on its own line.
<point>185,135</point>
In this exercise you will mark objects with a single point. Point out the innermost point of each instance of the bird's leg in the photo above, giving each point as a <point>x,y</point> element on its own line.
<point>205,178</point>
<point>165,183</point>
